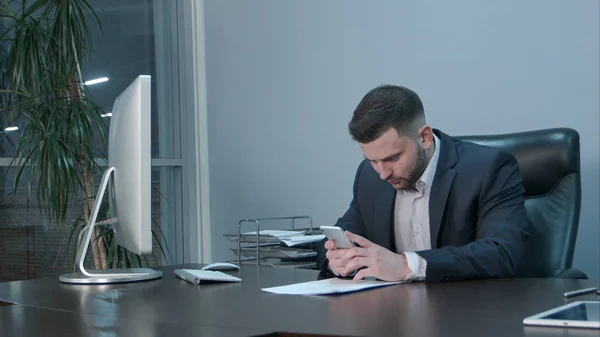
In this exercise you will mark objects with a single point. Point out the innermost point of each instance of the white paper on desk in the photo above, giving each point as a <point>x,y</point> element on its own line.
<point>327,286</point>
<point>298,240</point>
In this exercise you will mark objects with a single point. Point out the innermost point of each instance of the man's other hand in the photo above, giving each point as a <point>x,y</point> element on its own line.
<point>375,260</point>
<point>336,264</point>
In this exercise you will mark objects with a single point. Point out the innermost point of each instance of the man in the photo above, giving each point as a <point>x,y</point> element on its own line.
<point>426,206</point>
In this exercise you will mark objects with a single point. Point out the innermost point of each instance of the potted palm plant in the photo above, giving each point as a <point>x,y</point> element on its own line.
<point>56,151</point>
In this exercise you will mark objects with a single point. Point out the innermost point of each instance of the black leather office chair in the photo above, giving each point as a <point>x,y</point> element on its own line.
<point>549,163</point>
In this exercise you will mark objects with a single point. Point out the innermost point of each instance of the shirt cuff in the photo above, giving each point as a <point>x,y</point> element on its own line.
<point>417,266</point>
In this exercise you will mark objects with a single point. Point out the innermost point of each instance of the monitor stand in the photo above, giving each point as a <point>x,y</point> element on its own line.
<point>105,276</point>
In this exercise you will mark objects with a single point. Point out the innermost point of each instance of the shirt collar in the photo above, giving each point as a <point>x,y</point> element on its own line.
<point>429,173</point>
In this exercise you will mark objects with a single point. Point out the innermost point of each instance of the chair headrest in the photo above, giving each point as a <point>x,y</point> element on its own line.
<point>544,156</point>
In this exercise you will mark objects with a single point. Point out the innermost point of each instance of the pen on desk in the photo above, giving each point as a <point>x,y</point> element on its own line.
<point>580,292</point>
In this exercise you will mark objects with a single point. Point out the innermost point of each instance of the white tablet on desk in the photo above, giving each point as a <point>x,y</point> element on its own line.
<point>580,314</point>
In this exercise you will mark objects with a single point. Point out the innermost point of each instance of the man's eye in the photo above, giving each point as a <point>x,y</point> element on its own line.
<point>392,159</point>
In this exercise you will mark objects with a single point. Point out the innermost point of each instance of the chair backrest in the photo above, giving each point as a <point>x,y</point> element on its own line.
<point>550,165</point>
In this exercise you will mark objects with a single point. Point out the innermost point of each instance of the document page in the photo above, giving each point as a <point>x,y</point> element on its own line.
<point>327,286</point>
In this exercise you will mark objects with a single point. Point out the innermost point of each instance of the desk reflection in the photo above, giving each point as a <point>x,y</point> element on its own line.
<point>367,310</point>
<point>112,307</point>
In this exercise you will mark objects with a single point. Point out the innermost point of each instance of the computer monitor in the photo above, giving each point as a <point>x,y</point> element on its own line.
<point>129,195</point>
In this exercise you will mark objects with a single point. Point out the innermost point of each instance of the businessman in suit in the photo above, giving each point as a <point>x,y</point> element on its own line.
<point>426,206</point>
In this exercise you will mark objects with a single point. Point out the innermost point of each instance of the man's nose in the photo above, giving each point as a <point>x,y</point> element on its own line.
<point>384,171</point>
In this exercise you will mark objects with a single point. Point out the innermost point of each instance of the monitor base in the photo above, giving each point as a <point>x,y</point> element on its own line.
<point>109,276</point>
<point>102,276</point>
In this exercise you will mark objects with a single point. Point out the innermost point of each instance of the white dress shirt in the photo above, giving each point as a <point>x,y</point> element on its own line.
<point>411,219</point>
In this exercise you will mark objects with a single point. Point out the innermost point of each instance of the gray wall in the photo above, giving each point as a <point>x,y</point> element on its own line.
<point>283,79</point>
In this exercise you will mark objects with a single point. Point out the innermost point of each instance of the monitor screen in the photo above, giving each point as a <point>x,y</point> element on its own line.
<point>129,153</point>
<point>129,188</point>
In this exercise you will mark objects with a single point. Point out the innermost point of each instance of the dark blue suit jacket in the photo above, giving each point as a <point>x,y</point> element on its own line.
<point>476,213</point>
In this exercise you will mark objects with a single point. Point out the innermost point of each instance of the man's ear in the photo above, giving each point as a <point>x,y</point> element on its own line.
<point>426,136</point>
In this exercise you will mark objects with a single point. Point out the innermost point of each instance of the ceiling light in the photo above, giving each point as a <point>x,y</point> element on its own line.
<point>108,114</point>
<point>96,81</point>
<point>11,128</point>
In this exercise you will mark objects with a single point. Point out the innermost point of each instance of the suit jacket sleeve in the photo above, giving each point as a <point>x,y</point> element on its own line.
<point>501,230</point>
<point>350,221</point>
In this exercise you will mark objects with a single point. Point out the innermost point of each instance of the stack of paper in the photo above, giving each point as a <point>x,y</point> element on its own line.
<point>299,240</point>
<point>278,252</point>
<point>288,237</point>
<point>267,247</point>
<point>277,233</point>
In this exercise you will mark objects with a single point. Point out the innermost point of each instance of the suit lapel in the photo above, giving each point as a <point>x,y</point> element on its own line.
<point>442,182</point>
<point>384,215</point>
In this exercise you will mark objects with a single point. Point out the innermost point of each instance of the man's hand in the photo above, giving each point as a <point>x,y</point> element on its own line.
<point>377,261</point>
<point>336,264</point>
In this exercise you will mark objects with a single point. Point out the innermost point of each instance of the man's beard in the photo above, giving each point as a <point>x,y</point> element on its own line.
<point>415,175</point>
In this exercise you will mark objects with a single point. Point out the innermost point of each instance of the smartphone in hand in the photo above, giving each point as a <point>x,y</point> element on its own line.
<point>336,234</point>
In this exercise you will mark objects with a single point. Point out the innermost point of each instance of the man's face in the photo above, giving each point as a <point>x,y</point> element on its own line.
<point>399,159</point>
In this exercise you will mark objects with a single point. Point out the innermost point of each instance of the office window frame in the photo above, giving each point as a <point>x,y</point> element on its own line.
<point>191,84</point>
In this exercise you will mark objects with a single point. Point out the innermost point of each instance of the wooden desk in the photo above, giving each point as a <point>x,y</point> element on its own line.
<point>25,321</point>
<point>172,307</point>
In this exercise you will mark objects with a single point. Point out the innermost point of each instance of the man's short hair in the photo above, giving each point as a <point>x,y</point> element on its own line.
<point>387,106</point>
